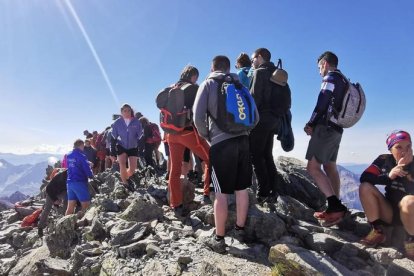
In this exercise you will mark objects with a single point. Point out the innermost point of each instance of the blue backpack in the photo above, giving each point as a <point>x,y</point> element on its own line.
<point>236,109</point>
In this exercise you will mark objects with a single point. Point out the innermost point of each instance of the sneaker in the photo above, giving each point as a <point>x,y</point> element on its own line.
<point>239,235</point>
<point>218,246</point>
<point>409,250</point>
<point>319,215</point>
<point>179,211</point>
<point>374,238</point>
<point>332,218</point>
<point>206,199</point>
<point>130,185</point>
<point>40,232</point>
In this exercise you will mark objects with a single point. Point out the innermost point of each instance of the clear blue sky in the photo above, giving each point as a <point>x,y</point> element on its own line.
<point>52,87</point>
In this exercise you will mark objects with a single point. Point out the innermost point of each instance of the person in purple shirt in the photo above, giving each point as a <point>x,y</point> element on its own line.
<point>79,171</point>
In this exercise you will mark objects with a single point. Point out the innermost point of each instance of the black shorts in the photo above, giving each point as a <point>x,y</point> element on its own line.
<point>130,152</point>
<point>166,149</point>
<point>231,166</point>
<point>186,155</point>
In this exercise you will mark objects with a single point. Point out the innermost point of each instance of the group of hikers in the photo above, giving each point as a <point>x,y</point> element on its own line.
<point>229,122</point>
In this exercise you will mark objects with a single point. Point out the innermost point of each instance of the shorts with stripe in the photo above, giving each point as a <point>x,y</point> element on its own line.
<point>231,166</point>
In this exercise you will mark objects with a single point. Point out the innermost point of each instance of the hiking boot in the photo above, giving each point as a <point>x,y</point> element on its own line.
<point>409,249</point>
<point>218,246</point>
<point>332,218</point>
<point>206,200</point>
<point>374,238</point>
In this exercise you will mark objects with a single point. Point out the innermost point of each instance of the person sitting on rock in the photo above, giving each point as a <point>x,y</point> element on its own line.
<point>77,182</point>
<point>396,172</point>
<point>55,195</point>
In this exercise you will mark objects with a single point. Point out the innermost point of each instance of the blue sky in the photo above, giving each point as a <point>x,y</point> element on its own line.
<point>52,86</point>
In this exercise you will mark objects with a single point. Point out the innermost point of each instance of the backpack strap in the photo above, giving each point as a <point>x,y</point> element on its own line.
<point>279,64</point>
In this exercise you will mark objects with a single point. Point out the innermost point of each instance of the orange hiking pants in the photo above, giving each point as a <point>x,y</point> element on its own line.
<point>178,143</point>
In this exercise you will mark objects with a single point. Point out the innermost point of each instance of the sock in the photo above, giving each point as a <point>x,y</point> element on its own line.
<point>334,204</point>
<point>218,238</point>
<point>238,227</point>
<point>376,224</point>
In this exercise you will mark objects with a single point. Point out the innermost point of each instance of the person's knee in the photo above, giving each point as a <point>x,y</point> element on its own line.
<point>407,204</point>
<point>313,167</point>
<point>365,188</point>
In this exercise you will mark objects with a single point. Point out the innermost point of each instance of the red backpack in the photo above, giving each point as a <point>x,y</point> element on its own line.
<point>156,135</point>
<point>31,220</point>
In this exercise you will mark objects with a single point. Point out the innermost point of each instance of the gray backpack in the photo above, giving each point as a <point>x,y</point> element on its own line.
<point>353,106</point>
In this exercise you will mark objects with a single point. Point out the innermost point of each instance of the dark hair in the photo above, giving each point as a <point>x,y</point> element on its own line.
<point>221,63</point>
<point>78,143</point>
<point>264,53</point>
<point>244,60</point>
<point>128,106</point>
<point>330,58</point>
<point>144,121</point>
<point>188,72</point>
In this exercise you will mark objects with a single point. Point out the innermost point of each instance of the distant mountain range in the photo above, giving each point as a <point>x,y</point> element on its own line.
<point>23,173</point>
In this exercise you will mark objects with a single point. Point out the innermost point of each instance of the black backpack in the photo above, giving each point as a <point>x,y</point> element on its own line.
<point>174,115</point>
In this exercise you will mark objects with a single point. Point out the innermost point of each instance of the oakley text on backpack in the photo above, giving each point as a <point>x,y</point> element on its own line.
<point>174,115</point>
<point>236,109</point>
<point>353,106</point>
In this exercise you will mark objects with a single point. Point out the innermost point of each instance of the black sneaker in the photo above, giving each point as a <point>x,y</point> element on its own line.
<point>130,185</point>
<point>40,232</point>
<point>218,246</point>
<point>179,211</point>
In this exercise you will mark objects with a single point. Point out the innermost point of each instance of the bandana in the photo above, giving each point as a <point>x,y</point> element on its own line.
<point>397,136</point>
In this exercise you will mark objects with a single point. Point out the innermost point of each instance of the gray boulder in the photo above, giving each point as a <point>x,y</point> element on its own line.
<point>141,210</point>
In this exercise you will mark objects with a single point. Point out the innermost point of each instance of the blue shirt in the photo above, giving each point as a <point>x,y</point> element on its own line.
<point>78,167</point>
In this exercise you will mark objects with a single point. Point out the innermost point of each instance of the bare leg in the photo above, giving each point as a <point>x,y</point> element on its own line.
<point>407,213</point>
<point>374,203</point>
<point>71,207</point>
<point>332,172</point>
<point>321,179</point>
<point>122,167</point>
<point>242,206</point>
<point>220,213</point>
<point>132,165</point>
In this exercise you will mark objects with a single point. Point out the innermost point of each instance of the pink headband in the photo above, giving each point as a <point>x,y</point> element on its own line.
<point>397,136</point>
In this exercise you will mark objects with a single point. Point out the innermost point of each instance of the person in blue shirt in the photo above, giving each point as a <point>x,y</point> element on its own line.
<point>243,65</point>
<point>79,170</point>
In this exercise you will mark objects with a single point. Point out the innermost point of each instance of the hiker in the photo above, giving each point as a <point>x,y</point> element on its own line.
<point>56,195</point>
<point>126,132</point>
<point>91,154</point>
<point>243,65</point>
<point>151,140</point>
<point>231,168</point>
<point>186,137</point>
<point>396,171</point>
<point>261,138</point>
<point>77,181</point>
<point>108,139</point>
<point>325,139</point>
<point>100,146</point>
<point>87,134</point>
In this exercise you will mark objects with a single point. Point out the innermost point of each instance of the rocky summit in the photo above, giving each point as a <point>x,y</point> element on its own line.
<point>126,233</point>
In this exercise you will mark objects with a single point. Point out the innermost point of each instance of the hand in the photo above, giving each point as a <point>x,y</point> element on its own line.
<point>398,171</point>
<point>308,129</point>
